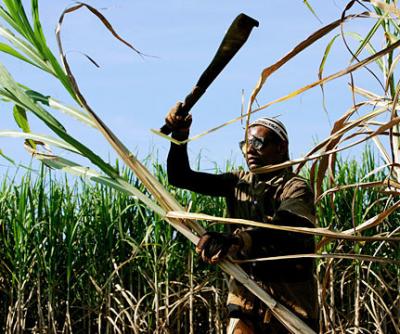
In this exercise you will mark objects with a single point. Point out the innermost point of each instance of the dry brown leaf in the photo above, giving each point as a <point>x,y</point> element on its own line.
<point>374,221</point>
<point>295,51</point>
<point>305,230</point>
<point>359,257</point>
<point>271,168</point>
<point>387,8</point>
<point>331,77</point>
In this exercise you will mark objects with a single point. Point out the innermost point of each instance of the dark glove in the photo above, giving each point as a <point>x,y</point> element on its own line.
<point>214,246</point>
<point>176,122</point>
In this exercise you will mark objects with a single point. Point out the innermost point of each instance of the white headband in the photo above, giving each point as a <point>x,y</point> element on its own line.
<point>274,125</point>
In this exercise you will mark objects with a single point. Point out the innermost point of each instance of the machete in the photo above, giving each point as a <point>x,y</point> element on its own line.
<point>233,40</point>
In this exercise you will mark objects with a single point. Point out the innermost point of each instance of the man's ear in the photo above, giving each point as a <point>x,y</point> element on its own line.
<point>283,149</point>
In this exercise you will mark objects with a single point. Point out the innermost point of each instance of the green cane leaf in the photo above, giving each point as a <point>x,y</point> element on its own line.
<point>9,50</point>
<point>49,141</point>
<point>31,53</point>
<point>13,91</point>
<point>117,183</point>
<point>21,119</point>
<point>311,9</point>
<point>6,157</point>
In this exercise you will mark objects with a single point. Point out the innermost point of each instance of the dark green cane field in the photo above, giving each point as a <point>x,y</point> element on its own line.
<point>79,257</point>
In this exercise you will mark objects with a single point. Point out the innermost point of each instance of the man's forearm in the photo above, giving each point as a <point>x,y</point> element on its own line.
<point>181,175</point>
<point>178,167</point>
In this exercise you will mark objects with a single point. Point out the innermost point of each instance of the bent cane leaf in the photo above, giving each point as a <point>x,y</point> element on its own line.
<point>11,90</point>
<point>387,8</point>
<point>37,26</point>
<point>312,10</point>
<point>39,138</point>
<point>8,18</point>
<point>55,104</point>
<point>28,50</point>
<point>267,72</point>
<point>303,89</point>
<point>7,157</point>
<point>8,49</point>
<point>304,230</point>
<point>22,121</point>
<point>117,183</point>
<point>360,257</point>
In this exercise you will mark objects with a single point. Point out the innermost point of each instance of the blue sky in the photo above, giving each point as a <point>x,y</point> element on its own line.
<point>132,94</point>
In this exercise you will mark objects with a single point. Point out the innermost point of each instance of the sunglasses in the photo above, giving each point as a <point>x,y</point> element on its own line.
<point>257,143</point>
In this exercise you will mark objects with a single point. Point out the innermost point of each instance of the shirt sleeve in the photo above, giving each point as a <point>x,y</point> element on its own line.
<point>181,175</point>
<point>297,199</point>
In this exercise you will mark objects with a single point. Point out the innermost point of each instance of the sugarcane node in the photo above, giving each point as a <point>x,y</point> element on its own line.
<point>235,37</point>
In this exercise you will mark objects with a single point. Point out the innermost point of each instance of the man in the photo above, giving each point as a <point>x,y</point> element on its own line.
<point>281,198</point>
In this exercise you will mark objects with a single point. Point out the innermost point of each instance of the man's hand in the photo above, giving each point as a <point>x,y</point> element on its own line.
<point>176,122</point>
<point>213,247</point>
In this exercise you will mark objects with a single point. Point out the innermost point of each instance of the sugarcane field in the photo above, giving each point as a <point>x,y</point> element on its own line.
<point>199,167</point>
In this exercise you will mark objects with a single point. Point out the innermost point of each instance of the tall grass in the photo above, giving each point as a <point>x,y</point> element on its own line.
<point>359,296</point>
<point>83,258</point>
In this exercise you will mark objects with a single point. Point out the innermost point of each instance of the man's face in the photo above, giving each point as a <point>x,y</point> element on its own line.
<point>268,154</point>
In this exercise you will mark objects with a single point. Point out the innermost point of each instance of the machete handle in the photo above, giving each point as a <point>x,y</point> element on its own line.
<point>187,104</point>
<point>234,39</point>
